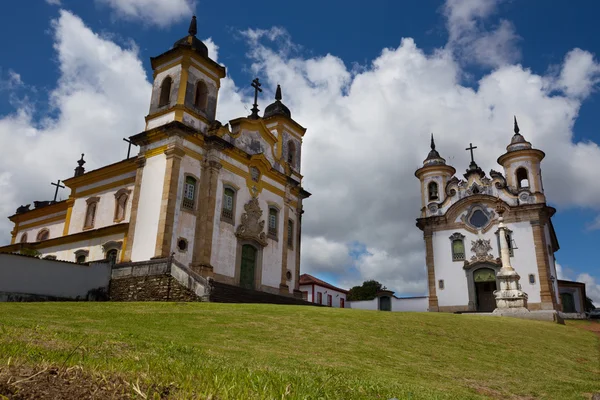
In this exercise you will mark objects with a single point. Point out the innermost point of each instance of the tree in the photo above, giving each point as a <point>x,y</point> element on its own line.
<point>30,252</point>
<point>367,291</point>
<point>589,304</point>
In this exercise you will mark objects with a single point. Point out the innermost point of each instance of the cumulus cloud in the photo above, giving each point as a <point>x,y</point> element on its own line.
<point>473,40</point>
<point>152,12</point>
<point>368,131</point>
<point>101,96</point>
<point>54,2</point>
<point>580,74</point>
<point>592,287</point>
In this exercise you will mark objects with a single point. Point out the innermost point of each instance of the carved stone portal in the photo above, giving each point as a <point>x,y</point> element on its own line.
<point>252,228</point>
<point>481,248</point>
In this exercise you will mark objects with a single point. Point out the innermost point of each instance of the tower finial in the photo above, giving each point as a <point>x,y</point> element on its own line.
<point>80,170</point>
<point>516,126</point>
<point>278,93</point>
<point>432,142</point>
<point>193,27</point>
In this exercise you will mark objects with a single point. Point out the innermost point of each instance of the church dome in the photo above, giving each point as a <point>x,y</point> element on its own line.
<point>434,158</point>
<point>191,41</point>
<point>518,142</point>
<point>277,108</point>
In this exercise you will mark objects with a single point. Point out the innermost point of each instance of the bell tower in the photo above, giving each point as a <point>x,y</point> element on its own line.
<point>434,174</point>
<point>522,166</point>
<point>186,84</point>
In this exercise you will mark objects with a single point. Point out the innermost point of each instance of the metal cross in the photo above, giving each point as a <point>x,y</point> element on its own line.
<point>58,185</point>
<point>129,148</point>
<point>471,148</point>
<point>256,85</point>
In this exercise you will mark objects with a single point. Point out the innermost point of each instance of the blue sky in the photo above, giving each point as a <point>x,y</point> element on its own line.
<point>334,49</point>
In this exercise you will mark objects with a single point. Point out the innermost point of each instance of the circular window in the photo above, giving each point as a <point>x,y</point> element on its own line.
<point>288,275</point>
<point>478,219</point>
<point>182,244</point>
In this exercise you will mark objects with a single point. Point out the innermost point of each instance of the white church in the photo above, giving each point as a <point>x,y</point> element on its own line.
<point>222,201</point>
<point>460,225</point>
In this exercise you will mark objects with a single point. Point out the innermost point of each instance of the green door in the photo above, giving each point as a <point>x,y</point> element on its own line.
<point>568,302</point>
<point>248,266</point>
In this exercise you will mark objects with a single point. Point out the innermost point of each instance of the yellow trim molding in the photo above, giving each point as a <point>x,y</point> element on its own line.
<point>101,188</point>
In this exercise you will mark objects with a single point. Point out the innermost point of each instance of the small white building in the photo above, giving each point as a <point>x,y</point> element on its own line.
<point>320,292</point>
<point>385,300</point>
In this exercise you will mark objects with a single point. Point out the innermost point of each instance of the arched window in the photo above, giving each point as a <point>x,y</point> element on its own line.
<point>23,238</point>
<point>292,153</point>
<point>111,256</point>
<point>44,234</point>
<point>201,97</point>
<point>290,232</point>
<point>165,91</point>
<point>90,213</point>
<point>189,193</point>
<point>273,214</point>
<point>121,198</point>
<point>432,188</point>
<point>522,178</point>
<point>228,205</point>
<point>81,256</point>
<point>50,257</point>
<point>457,242</point>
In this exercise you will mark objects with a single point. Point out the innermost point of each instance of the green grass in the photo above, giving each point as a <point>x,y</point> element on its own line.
<point>295,352</point>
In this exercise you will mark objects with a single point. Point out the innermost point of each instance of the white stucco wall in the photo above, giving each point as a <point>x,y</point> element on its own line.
<point>146,228</point>
<point>66,252</point>
<point>28,275</point>
<point>455,292</point>
<point>336,295</point>
<point>105,209</point>
<point>417,304</point>
<point>184,225</point>
<point>55,229</point>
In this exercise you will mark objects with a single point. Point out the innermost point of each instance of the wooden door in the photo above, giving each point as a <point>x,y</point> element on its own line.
<point>248,267</point>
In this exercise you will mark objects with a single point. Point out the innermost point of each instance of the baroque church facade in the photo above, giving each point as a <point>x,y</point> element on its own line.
<point>459,220</point>
<point>224,200</point>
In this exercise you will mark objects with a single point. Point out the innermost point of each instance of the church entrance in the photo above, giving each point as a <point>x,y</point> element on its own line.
<point>485,285</point>
<point>248,266</point>
<point>568,302</point>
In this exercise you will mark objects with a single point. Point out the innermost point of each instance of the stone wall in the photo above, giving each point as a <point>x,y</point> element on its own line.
<point>150,288</point>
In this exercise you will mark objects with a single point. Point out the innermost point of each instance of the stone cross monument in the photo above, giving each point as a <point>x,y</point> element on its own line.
<point>509,298</point>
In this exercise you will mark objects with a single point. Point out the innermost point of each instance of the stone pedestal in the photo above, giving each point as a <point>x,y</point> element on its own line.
<point>509,298</point>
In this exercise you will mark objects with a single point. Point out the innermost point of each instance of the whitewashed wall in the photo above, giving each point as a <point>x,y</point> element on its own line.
<point>184,225</point>
<point>55,228</point>
<point>66,252</point>
<point>29,275</point>
<point>146,228</point>
<point>406,304</point>
<point>455,292</point>
<point>335,295</point>
<point>105,209</point>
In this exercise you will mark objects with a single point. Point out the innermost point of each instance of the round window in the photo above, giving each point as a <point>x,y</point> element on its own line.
<point>478,219</point>
<point>288,275</point>
<point>182,244</point>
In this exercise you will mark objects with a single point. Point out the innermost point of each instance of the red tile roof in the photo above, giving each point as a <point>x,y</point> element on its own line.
<point>306,279</point>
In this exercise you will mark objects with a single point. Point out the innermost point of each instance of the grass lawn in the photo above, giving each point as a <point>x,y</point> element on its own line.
<point>225,351</point>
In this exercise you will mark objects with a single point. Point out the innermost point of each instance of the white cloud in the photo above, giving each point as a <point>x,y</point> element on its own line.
<point>592,288</point>
<point>153,12</point>
<point>368,130</point>
<point>471,39</point>
<point>54,2</point>
<point>101,97</point>
<point>580,74</point>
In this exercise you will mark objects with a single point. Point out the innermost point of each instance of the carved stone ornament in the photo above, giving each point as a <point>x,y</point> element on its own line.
<point>481,248</point>
<point>251,227</point>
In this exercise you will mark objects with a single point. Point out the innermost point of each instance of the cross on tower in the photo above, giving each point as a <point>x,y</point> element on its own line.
<point>129,147</point>
<point>256,85</point>
<point>58,185</point>
<point>471,148</point>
